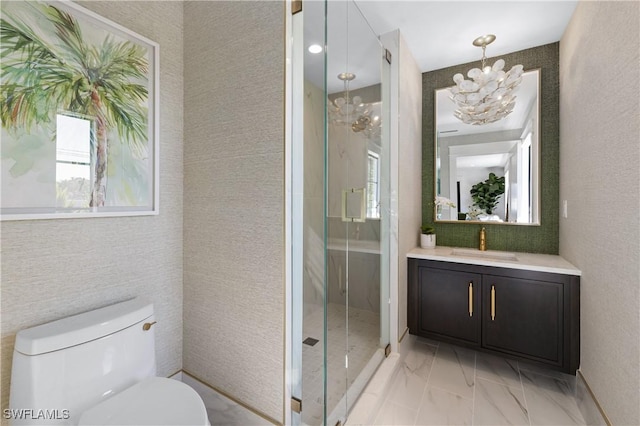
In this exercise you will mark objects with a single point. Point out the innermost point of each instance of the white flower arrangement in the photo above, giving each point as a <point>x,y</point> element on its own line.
<point>443,201</point>
<point>474,212</point>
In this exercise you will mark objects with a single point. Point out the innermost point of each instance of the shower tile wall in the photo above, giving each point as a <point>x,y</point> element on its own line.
<point>347,165</point>
<point>364,284</point>
<point>348,152</point>
<point>313,278</point>
<point>347,168</point>
<point>313,281</point>
<point>364,280</point>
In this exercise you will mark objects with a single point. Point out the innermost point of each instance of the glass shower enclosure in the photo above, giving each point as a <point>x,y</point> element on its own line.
<point>340,209</point>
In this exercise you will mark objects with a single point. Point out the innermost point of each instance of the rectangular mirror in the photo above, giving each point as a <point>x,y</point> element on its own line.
<point>489,172</point>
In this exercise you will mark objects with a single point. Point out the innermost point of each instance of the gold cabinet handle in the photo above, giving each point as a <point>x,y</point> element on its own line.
<point>471,298</point>
<point>147,325</point>
<point>493,303</point>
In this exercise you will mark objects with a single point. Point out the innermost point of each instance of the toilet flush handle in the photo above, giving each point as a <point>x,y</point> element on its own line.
<point>147,325</point>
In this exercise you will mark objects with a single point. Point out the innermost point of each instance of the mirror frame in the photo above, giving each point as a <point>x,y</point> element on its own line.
<point>537,179</point>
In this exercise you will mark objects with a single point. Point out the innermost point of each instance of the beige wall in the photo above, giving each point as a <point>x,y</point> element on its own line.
<point>56,268</point>
<point>409,169</point>
<point>234,200</point>
<point>600,178</point>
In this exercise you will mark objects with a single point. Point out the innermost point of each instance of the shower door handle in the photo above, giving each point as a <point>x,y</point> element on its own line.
<point>354,197</point>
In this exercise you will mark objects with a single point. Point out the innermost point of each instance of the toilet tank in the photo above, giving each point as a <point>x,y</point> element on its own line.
<point>64,367</point>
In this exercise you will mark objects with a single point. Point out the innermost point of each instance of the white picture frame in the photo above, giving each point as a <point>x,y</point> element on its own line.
<point>80,115</point>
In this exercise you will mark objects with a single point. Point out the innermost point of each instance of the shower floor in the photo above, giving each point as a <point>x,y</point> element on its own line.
<point>363,341</point>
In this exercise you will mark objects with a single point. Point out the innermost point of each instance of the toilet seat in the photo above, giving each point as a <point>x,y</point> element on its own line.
<point>153,401</point>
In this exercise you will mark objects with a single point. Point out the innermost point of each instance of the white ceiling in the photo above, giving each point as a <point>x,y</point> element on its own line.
<point>438,33</point>
<point>482,161</point>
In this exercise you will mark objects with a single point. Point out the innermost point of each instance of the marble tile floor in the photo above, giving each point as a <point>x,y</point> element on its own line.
<point>440,384</point>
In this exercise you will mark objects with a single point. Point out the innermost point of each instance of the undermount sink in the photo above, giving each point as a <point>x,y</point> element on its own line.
<point>489,255</point>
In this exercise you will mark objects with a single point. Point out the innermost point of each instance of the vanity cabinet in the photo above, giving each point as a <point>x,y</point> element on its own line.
<point>523,317</point>
<point>522,314</point>
<point>448,301</point>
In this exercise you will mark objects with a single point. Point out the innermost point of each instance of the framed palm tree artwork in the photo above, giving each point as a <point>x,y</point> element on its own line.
<point>79,111</point>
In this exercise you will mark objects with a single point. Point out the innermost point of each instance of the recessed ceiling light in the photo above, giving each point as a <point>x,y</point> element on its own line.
<point>315,48</point>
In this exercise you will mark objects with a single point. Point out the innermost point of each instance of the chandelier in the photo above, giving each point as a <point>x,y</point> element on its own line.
<point>489,94</point>
<point>345,111</point>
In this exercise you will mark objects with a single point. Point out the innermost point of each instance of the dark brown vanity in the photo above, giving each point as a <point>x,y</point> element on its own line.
<point>527,309</point>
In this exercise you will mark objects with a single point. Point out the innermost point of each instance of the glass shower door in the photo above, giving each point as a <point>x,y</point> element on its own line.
<point>355,192</point>
<point>340,204</point>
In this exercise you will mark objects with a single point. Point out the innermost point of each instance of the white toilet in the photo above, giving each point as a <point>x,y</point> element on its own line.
<point>95,368</point>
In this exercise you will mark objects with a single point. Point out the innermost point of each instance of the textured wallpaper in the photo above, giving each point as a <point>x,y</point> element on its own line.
<point>600,179</point>
<point>234,200</point>
<point>56,268</point>
<point>534,239</point>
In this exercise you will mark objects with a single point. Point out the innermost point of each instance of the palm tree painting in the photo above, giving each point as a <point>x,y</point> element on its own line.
<point>58,63</point>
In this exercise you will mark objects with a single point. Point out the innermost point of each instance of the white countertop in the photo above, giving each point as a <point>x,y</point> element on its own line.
<point>528,261</point>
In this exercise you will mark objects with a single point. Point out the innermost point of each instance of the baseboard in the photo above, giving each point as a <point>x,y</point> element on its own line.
<point>404,333</point>
<point>186,375</point>
<point>588,404</point>
<point>176,376</point>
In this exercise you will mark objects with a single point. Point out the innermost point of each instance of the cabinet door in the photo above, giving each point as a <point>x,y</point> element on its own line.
<point>449,304</point>
<point>523,317</point>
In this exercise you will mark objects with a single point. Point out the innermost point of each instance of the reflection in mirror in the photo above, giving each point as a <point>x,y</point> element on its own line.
<point>471,161</point>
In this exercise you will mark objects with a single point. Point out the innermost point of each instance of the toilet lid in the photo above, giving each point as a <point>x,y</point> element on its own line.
<point>153,401</point>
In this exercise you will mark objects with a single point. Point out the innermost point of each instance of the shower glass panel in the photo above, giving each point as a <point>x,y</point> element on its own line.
<point>340,200</point>
<point>354,192</point>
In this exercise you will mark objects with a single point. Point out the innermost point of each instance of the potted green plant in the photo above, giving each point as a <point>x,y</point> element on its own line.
<point>487,194</point>
<point>427,236</point>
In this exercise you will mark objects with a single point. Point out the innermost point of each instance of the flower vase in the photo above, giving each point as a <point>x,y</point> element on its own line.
<point>428,240</point>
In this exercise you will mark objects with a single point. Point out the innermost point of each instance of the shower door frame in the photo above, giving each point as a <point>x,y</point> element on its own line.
<point>294,231</point>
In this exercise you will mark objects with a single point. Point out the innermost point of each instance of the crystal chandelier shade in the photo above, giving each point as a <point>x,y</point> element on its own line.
<point>488,95</point>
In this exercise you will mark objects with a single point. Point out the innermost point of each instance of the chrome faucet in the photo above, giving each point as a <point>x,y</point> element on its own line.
<point>483,239</point>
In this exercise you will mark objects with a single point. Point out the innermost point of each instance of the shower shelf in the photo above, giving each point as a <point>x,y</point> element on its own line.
<point>359,246</point>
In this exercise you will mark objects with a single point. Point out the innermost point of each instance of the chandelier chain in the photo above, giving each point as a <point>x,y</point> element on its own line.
<point>484,57</point>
